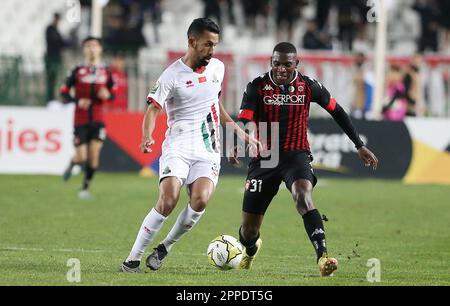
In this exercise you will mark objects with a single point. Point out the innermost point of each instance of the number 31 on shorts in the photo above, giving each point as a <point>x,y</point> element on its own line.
<point>253,185</point>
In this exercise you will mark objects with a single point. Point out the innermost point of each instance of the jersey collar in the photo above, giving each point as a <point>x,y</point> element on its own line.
<point>281,86</point>
<point>198,70</point>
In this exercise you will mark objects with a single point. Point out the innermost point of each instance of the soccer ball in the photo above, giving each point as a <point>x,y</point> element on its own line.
<point>225,252</point>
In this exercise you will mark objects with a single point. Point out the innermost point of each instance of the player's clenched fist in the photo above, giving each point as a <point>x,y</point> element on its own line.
<point>146,144</point>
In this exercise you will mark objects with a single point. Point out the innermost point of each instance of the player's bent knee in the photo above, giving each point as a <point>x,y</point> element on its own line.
<point>169,199</point>
<point>167,203</point>
<point>199,202</point>
<point>164,208</point>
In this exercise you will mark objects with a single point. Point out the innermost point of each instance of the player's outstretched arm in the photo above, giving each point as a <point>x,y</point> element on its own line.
<point>321,96</point>
<point>344,121</point>
<point>148,126</point>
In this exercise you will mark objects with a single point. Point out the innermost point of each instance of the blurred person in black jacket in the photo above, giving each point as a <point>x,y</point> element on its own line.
<point>313,39</point>
<point>53,56</point>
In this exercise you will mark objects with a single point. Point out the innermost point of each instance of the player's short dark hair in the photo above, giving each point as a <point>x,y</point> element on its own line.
<point>199,25</point>
<point>285,47</point>
<point>90,38</point>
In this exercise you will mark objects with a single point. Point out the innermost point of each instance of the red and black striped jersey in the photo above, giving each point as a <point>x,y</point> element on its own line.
<point>288,105</point>
<point>86,82</point>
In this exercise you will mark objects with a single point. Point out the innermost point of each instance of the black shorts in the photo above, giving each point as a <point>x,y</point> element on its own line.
<point>263,183</point>
<point>85,133</point>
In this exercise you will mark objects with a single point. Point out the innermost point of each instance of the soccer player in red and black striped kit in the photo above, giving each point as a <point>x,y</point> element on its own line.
<point>92,84</point>
<point>283,95</point>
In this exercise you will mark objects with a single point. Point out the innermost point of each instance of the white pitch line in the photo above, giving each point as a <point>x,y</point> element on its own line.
<point>13,248</point>
<point>16,248</point>
<point>21,249</point>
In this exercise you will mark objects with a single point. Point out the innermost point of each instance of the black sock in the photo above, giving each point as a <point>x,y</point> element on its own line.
<point>250,245</point>
<point>316,232</point>
<point>88,175</point>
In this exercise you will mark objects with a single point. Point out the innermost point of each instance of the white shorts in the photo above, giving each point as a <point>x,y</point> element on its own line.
<point>188,171</point>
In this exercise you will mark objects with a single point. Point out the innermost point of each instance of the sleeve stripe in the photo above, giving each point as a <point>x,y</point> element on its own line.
<point>246,114</point>
<point>331,105</point>
<point>151,100</point>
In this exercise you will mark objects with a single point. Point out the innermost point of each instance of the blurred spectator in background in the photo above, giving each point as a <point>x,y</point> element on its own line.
<point>322,12</point>
<point>429,22</point>
<point>411,80</point>
<point>212,10</point>
<point>404,91</point>
<point>397,107</point>
<point>361,43</point>
<point>134,27</point>
<point>231,16</point>
<point>403,29</point>
<point>114,36</point>
<point>125,28</point>
<point>313,39</point>
<point>287,14</point>
<point>347,22</point>
<point>363,81</point>
<point>120,77</point>
<point>53,56</point>
<point>256,16</point>
<point>444,9</point>
<point>155,9</point>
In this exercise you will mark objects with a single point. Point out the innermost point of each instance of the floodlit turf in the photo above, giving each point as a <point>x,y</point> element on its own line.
<point>43,224</point>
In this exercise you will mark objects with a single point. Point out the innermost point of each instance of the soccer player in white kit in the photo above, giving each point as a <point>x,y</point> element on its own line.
<point>189,91</point>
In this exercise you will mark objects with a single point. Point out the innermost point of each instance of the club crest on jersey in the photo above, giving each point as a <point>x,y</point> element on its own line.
<point>189,84</point>
<point>267,87</point>
<point>291,88</point>
<point>301,87</point>
<point>281,99</point>
<point>215,79</point>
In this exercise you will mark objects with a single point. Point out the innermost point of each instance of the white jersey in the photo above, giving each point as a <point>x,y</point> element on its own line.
<point>191,101</point>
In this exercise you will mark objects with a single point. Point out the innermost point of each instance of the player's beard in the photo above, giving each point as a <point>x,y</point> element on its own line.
<point>204,61</point>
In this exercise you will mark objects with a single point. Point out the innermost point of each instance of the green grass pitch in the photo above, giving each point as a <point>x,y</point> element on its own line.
<point>43,224</point>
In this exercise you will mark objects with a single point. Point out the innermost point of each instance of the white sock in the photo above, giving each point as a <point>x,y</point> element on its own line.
<point>185,221</point>
<point>150,227</point>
